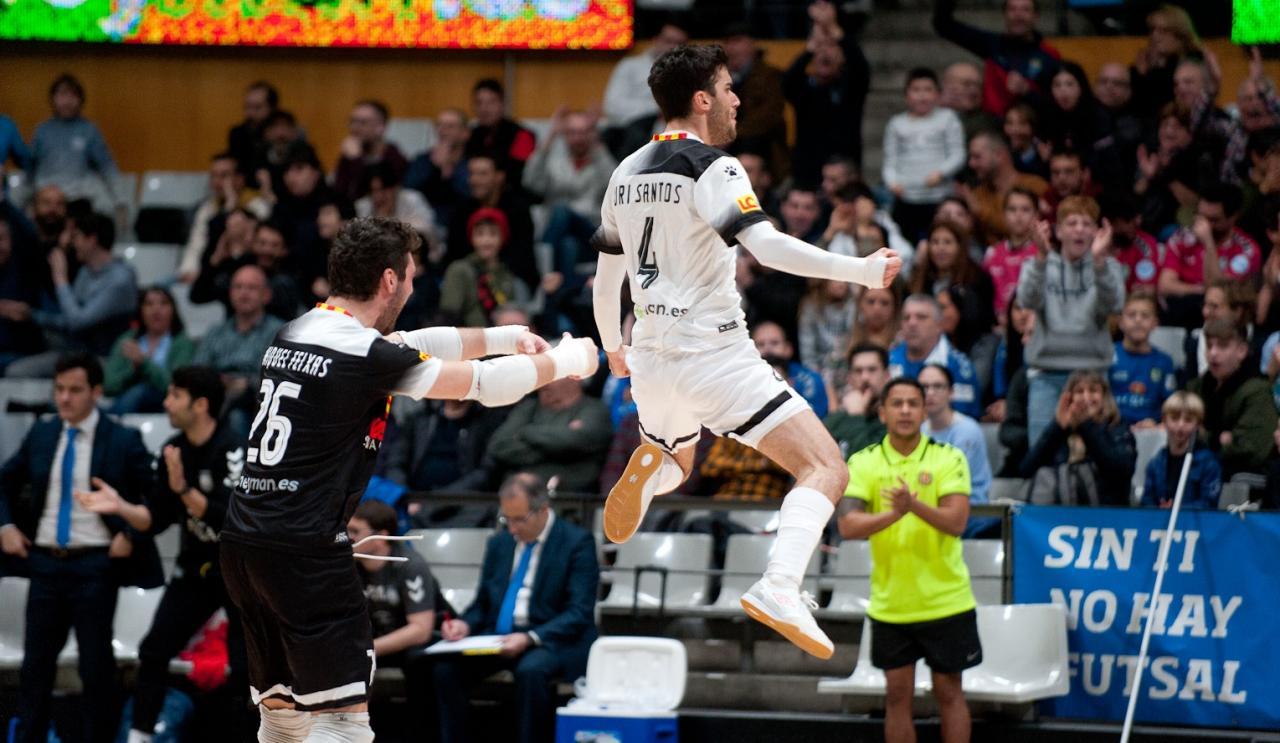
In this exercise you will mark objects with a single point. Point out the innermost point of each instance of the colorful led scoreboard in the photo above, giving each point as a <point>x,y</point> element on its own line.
<point>405,24</point>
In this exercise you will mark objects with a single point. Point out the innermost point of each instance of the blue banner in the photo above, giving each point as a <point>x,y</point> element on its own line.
<point>1214,658</point>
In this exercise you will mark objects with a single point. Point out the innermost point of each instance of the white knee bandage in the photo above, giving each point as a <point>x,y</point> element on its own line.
<point>340,727</point>
<point>283,726</point>
<point>502,381</point>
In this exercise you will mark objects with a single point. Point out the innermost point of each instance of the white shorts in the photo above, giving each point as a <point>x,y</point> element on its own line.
<point>730,390</point>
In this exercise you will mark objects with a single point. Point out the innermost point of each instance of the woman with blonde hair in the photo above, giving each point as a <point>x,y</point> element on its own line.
<point>1173,38</point>
<point>1087,455</point>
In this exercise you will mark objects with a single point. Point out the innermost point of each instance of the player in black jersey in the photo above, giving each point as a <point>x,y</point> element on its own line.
<point>325,394</point>
<point>194,478</point>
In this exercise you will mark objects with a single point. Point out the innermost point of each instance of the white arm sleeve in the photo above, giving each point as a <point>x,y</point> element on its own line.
<point>444,343</point>
<point>502,381</point>
<point>782,252</point>
<point>606,299</point>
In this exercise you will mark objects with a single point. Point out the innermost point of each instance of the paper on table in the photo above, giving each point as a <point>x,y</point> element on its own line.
<point>478,645</point>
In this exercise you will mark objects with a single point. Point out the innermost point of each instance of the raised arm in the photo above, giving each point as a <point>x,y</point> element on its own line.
<point>782,252</point>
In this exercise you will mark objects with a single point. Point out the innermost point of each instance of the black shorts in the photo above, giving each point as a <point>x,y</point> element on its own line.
<point>306,628</point>
<point>948,645</point>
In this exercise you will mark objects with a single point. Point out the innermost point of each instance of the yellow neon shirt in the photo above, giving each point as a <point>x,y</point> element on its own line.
<point>918,573</point>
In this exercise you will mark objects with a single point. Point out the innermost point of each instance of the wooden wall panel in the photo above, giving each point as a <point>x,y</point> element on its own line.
<point>170,108</point>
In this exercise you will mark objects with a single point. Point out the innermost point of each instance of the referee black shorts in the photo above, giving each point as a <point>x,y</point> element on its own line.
<point>306,628</point>
<point>948,645</point>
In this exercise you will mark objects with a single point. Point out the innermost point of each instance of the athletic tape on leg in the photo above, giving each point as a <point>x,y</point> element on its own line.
<point>283,726</point>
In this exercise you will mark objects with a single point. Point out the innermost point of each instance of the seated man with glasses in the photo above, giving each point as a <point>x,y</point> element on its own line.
<point>537,589</point>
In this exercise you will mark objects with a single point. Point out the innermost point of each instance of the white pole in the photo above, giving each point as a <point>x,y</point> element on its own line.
<point>1161,564</point>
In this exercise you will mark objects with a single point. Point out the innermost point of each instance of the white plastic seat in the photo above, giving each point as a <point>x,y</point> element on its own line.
<point>541,128</point>
<point>1171,340</point>
<point>411,136</point>
<point>153,263</point>
<point>746,557</point>
<point>634,672</point>
<point>168,544</point>
<point>135,609</point>
<point>173,189</point>
<point>678,553</point>
<point>759,522</point>
<point>866,679</point>
<point>25,390</point>
<point>1149,441</point>
<point>13,429</point>
<point>995,450</point>
<point>155,428</point>
<point>13,620</point>
<point>125,188</point>
<point>985,560</point>
<point>1233,494</point>
<point>198,319</point>
<point>1024,654</point>
<point>1008,489</point>
<point>851,579</point>
<point>455,557</point>
<point>19,185</point>
<point>1024,658</point>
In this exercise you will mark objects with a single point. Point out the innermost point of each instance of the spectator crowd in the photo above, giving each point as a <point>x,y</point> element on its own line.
<point>1057,232</point>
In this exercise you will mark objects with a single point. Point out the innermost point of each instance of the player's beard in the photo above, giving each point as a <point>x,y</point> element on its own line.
<point>386,321</point>
<point>721,125</point>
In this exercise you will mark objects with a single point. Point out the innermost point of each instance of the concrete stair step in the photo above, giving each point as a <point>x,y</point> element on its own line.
<point>756,692</point>
<point>768,657</point>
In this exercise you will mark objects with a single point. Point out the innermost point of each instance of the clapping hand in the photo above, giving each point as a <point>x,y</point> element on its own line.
<point>901,499</point>
<point>1102,242</point>
<point>173,465</point>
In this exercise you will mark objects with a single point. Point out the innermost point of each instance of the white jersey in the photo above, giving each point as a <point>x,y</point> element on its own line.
<point>674,208</point>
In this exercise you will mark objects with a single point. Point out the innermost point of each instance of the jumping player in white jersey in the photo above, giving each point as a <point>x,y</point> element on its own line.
<point>326,382</point>
<point>672,215</point>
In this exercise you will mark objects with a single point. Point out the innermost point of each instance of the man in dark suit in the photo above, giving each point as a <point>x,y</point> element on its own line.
<point>78,533</point>
<point>537,589</point>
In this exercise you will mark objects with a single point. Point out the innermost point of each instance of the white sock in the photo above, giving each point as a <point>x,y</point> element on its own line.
<point>667,478</point>
<point>137,736</point>
<point>802,519</point>
<point>283,726</point>
<point>340,727</point>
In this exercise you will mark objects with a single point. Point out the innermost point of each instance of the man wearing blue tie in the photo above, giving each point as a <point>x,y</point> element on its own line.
<point>537,589</point>
<point>76,533</point>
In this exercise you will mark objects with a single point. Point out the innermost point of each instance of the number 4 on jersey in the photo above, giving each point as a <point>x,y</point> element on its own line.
<point>275,438</point>
<point>648,272</point>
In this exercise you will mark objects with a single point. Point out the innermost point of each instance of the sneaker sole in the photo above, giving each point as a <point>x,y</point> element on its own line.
<point>790,631</point>
<point>622,510</point>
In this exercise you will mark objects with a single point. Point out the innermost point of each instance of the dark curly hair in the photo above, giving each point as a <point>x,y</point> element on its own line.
<point>366,247</point>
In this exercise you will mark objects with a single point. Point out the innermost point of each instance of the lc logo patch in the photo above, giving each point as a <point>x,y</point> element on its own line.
<point>925,478</point>
<point>748,203</point>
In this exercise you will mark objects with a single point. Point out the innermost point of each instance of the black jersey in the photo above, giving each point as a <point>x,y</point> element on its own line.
<point>397,589</point>
<point>324,400</point>
<point>213,468</point>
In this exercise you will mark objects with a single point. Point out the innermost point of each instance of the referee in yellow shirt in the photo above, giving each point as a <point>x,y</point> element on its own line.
<point>909,495</point>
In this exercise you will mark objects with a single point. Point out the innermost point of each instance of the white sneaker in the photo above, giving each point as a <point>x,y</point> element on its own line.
<point>786,609</point>
<point>630,497</point>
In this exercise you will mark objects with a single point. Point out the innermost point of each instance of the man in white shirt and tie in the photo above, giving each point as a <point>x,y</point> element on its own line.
<point>538,590</point>
<point>76,533</point>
